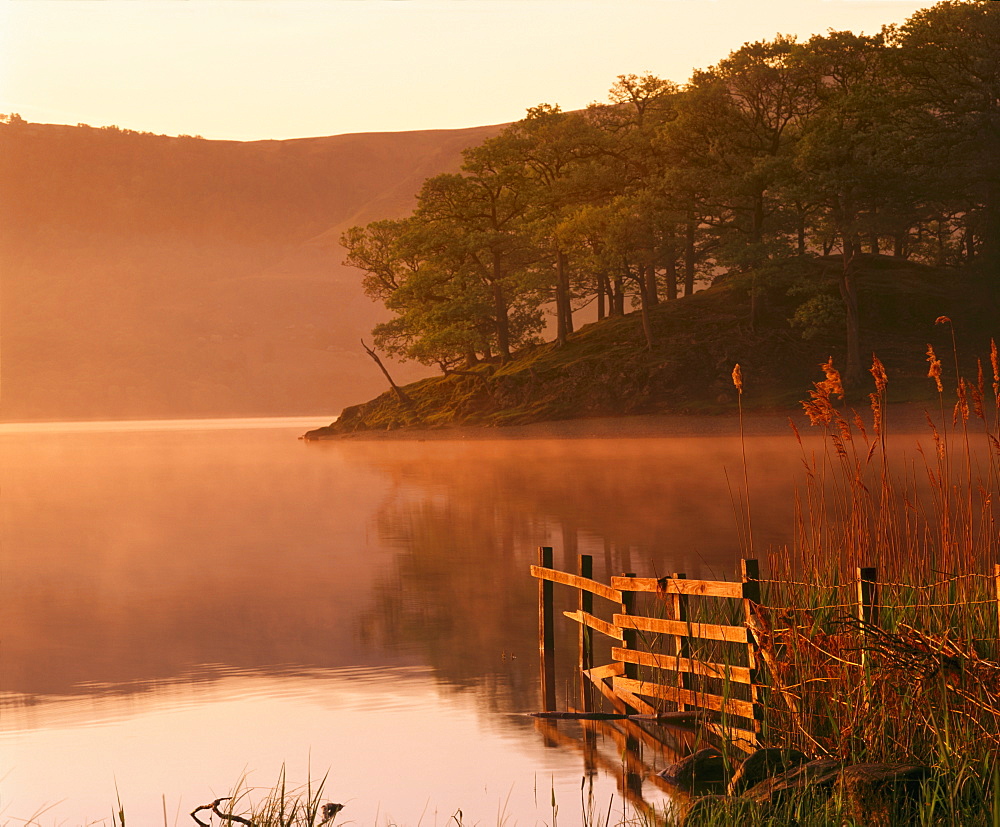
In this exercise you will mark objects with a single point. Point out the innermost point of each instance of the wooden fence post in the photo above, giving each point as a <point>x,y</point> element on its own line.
<point>750,574</point>
<point>678,610</point>
<point>868,596</point>
<point>546,633</point>
<point>630,637</point>
<point>586,605</point>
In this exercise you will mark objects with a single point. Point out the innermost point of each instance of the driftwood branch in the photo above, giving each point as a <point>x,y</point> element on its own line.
<point>329,813</point>
<point>400,394</point>
<point>214,807</point>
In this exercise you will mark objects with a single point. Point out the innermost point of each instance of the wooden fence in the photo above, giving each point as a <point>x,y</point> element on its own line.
<point>670,658</point>
<point>682,649</point>
<point>683,652</point>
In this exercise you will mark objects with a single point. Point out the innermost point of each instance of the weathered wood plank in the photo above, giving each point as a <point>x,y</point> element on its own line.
<point>577,582</point>
<point>616,703</point>
<point>596,624</point>
<point>737,674</point>
<point>634,701</point>
<point>707,631</point>
<point>609,670</point>
<point>670,585</point>
<point>705,700</point>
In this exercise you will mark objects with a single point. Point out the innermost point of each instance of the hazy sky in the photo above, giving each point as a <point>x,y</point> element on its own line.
<point>249,69</point>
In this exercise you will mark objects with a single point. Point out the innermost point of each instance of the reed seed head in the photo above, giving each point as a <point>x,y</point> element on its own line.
<point>962,405</point>
<point>738,378</point>
<point>995,361</point>
<point>832,383</point>
<point>877,370</point>
<point>935,367</point>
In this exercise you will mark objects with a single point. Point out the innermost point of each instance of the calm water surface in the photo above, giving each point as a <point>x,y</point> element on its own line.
<point>185,604</point>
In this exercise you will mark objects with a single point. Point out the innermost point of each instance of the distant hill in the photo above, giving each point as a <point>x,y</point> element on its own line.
<point>153,276</point>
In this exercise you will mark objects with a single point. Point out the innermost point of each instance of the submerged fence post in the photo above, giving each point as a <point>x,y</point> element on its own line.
<point>546,633</point>
<point>868,596</point>
<point>586,639</point>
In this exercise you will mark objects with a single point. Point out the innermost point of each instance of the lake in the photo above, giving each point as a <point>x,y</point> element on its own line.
<point>185,605</point>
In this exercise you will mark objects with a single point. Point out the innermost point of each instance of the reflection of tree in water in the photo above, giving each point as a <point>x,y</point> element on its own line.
<point>460,597</point>
<point>466,519</point>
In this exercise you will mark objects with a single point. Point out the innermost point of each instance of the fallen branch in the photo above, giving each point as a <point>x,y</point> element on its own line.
<point>400,394</point>
<point>214,807</point>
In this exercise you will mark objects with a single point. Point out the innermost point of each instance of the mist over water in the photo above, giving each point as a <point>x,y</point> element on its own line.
<point>181,605</point>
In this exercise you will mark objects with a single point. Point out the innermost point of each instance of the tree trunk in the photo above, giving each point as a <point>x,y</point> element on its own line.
<point>652,289</point>
<point>500,311</point>
<point>800,229</point>
<point>602,293</point>
<point>849,293</point>
<point>899,246</point>
<point>562,265</point>
<point>562,328</point>
<point>618,295</point>
<point>757,228</point>
<point>989,248</point>
<point>689,254</point>
<point>400,393</point>
<point>647,324</point>
<point>670,276</point>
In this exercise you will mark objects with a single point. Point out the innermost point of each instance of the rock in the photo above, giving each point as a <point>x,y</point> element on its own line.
<point>814,776</point>
<point>872,794</point>
<point>882,794</point>
<point>763,764</point>
<point>701,771</point>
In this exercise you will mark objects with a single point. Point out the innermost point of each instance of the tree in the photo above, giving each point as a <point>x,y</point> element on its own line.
<point>950,60</point>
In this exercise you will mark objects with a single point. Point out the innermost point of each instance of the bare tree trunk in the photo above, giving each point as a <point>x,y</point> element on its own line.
<point>400,394</point>
<point>602,293</point>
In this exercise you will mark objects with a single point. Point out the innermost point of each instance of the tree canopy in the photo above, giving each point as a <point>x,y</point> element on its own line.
<point>841,145</point>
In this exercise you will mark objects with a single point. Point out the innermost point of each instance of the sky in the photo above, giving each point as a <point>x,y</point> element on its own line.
<point>261,69</point>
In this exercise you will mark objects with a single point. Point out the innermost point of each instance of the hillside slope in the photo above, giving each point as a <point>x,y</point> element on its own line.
<point>150,276</point>
<point>606,369</point>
